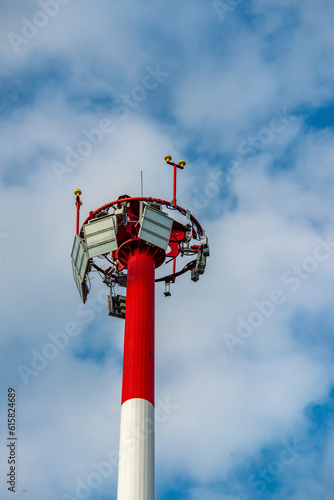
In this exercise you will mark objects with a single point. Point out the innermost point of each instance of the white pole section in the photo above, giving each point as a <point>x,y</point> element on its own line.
<point>136,458</point>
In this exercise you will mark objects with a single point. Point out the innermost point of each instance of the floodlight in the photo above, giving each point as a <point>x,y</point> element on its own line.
<point>100,236</point>
<point>81,285</point>
<point>156,228</point>
<point>79,257</point>
<point>79,260</point>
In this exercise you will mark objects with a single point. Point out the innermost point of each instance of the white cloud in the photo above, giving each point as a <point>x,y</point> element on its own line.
<point>224,81</point>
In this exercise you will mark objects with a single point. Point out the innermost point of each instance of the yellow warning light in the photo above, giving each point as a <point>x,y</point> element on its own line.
<point>182,163</point>
<point>168,157</point>
<point>77,192</point>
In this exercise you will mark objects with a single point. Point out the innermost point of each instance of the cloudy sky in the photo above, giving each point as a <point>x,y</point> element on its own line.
<point>91,94</point>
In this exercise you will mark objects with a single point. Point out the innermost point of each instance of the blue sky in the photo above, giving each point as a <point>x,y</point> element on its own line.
<point>244,92</point>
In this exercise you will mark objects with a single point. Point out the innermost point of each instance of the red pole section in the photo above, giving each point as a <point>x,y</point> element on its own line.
<point>138,360</point>
<point>136,456</point>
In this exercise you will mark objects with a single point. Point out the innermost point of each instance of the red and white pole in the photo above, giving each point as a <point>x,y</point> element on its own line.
<point>141,257</point>
<point>136,458</point>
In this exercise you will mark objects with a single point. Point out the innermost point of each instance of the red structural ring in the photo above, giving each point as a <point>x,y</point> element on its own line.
<point>127,248</point>
<point>183,211</point>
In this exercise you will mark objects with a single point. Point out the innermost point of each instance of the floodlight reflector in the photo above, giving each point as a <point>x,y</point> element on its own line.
<point>100,236</point>
<point>79,259</point>
<point>156,228</point>
<point>81,285</point>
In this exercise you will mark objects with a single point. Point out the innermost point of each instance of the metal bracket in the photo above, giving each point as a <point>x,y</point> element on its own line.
<point>116,306</point>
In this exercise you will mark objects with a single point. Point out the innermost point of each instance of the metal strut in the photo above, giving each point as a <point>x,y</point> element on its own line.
<point>181,165</point>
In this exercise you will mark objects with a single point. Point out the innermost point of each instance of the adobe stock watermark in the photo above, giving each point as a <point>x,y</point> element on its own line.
<point>292,278</point>
<point>248,149</point>
<point>57,342</point>
<point>225,7</point>
<point>102,471</point>
<point>31,27</point>
<point>260,481</point>
<point>94,137</point>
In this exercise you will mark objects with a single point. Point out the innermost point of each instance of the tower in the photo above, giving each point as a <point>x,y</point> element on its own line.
<point>135,236</point>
